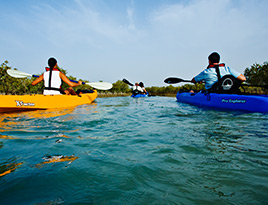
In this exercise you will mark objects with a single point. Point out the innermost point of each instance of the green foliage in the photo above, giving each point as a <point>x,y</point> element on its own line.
<point>4,78</point>
<point>10,85</point>
<point>172,90</point>
<point>120,87</point>
<point>162,90</point>
<point>257,74</point>
<point>253,90</point>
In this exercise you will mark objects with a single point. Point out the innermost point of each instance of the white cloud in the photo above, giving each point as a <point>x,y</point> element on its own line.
<point>130,17</point>
<point>195,29</point>
<point>204,22</point>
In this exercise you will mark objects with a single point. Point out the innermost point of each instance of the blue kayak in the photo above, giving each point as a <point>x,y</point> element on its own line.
<point>139,95</point>
<point>245,103</point>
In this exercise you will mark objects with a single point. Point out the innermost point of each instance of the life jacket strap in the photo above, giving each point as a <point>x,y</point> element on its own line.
<point>54,69</point>
<point>215,65</point>
<point>57,89</point>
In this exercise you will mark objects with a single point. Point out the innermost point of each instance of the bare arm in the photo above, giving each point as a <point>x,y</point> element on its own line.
<point>241,77</point>
<point>70,83</point>
<point>38,80</point>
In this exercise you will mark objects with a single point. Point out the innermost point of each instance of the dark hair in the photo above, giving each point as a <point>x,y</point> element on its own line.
<point>141,84</point>
<point>52,62</point>
<point>214,57</point>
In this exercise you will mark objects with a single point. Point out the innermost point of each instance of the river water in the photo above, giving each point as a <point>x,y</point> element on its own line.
<point>134,151</point>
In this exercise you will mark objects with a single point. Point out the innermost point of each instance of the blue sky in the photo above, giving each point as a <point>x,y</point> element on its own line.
<point>141,40</point>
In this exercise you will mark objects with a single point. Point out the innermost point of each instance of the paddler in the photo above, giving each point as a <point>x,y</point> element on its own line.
<point>136,89</point>
<point>215,72</point>
<point>52,80</point>
<point>144,91</point>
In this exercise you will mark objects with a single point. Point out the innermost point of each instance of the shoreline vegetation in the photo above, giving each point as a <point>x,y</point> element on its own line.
<point>256,75</point>
<point>110,94</point>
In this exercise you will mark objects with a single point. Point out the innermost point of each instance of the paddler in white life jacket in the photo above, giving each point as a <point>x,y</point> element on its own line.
<point>136,89</point>
<point>144,91</point>
<point>52,80</point>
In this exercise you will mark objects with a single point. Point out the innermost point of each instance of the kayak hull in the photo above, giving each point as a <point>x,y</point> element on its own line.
<point>139,95</point>
<point>18,103</point>
<point>245,103</point>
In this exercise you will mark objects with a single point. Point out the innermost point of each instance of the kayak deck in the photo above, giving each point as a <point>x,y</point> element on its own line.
<point>18,103</point>
<point>245,103</point>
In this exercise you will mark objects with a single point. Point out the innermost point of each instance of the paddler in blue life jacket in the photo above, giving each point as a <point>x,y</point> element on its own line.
<point>215,72</point>
<point>52,80</point>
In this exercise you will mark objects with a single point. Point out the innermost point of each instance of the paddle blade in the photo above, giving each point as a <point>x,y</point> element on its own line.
<point>173,80</point>
<point>18,74</point>
<point>101,85</point>
<point>127,82</point>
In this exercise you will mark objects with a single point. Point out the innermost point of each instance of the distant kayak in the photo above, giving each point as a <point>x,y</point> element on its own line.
<point>139,95</point>
<point>245,103</point>
<point>18,103</point>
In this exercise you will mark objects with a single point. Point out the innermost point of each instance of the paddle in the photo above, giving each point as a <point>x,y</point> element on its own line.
<point>127,82</point>
<point>173,80</point>
<point>97,85</point>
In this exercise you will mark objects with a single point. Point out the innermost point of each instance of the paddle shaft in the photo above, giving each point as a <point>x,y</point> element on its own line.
<point>189,81</point>
<point>74,81</point>
<point>173,80</point>
<point>127,82</point>
<point>97,85</point>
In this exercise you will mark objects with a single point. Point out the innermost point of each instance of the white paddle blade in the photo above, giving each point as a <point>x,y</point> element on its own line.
<point>18,74</point>
<point>101,85</point>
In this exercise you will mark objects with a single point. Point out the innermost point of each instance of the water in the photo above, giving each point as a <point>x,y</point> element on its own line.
<point>134,151</point>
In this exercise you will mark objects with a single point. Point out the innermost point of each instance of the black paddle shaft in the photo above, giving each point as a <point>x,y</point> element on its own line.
<point>127,82</point>
<point>173,80</point>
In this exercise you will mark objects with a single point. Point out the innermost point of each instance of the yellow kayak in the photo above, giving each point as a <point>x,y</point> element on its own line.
<point>18,103</point>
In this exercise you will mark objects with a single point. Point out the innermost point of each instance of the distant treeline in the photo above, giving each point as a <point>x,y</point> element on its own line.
<point>256,75</point>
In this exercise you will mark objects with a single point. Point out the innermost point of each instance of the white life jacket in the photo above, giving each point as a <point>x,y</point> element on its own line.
<point>137,87</point>
<point>52,82</point>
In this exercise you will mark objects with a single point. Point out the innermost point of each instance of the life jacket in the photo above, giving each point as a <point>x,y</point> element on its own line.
<point>216,65</point>
<point>136,90</point>
<point>52,81</point>
<point>226,84</point>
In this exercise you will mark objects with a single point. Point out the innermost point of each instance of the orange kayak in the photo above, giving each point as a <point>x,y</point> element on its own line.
<point>18,103</point>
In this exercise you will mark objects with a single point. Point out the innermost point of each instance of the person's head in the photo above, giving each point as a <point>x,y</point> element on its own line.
<point>141,84</point>
<point>136,84</point>
<point>214,57</point>
<point>52,62</point>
